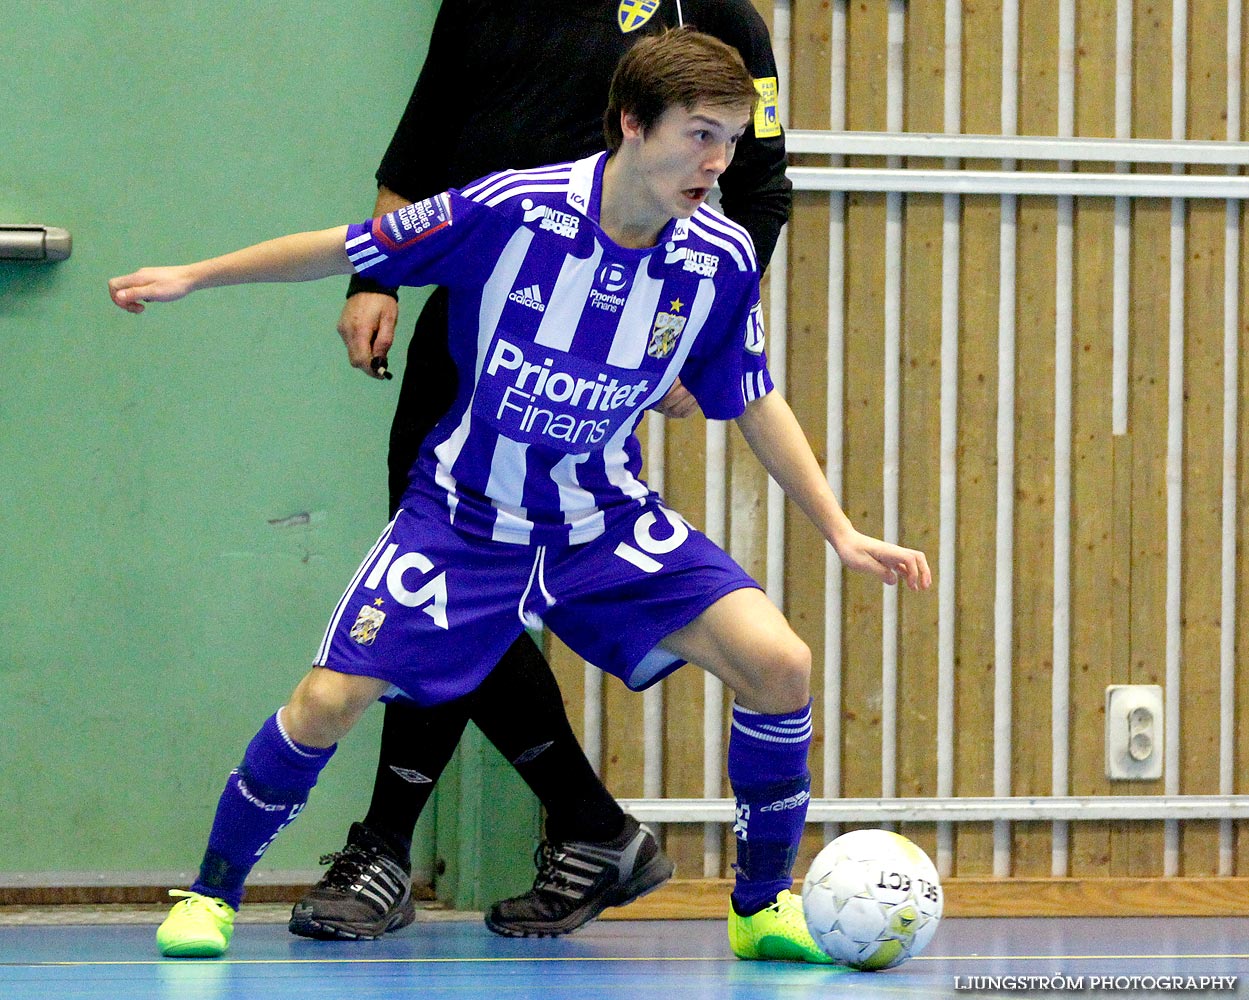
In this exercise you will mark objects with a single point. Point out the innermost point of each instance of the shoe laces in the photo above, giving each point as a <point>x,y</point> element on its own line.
<point>346,866</point>
<point>788,909</point>
<point>550,877</point>
<point>195,900</point>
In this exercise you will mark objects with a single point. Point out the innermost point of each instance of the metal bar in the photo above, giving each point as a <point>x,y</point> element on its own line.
<point>592,730</point>
<point>715,521</point>
<point>1122,272</point>
<point>834,424</point>
<point>653,741</point>
<point>965,810</point>
<point>1011,182</point>
<point>891,446</point>
<point>947,603</point>
<point>1064,255</point>
<point>1227,624</point>
<point>1004,539</point>
<point>1175,447</point>
<point>1004,526</point>
<point>1004,533</point>
<point>1016,147</point>
<point>1231,401</point>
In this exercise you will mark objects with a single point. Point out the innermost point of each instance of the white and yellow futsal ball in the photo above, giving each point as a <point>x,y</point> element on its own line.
<point>872,899</point>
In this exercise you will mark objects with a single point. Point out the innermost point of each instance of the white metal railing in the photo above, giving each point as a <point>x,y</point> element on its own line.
<point>999,182</point>
<point>965,809</point>
<point>1076,149</point>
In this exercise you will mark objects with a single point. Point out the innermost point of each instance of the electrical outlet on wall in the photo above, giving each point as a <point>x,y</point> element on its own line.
<point>1133,732</point>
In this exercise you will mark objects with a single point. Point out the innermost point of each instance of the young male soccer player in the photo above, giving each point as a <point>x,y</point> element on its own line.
<point>518,84</point>
<point>578,293</point>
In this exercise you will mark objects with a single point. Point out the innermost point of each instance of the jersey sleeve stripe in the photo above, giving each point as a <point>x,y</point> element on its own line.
<point>718,223</point>
<point>533,187</point>
<point>741,253</point>
<point>495,182</point>
<point>369,263</point>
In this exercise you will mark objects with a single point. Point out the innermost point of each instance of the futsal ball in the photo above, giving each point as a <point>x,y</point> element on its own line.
<point>872,899</point>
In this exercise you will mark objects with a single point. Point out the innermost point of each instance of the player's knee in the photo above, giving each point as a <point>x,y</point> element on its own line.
<point>322,710</point>
<point>792,670</point>
<point>781,680</point>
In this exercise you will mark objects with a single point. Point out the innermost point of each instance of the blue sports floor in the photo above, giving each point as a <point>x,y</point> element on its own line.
<point>615,960</point>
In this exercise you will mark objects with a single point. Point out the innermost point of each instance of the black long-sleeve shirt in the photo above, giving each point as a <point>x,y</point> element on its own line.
<point>524,83</point>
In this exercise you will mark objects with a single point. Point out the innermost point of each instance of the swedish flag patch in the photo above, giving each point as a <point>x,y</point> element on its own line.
<point>632,14</point>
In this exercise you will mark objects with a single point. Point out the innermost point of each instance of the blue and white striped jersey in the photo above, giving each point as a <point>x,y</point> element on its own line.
<point>562,339</point>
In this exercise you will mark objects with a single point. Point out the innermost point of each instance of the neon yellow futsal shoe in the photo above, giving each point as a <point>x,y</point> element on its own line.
<point>777,932</point>
<point>197,927</point>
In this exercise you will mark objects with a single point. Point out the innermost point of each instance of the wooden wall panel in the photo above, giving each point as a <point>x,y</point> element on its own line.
<point>1137,847</point>
<point>1034,445</point>
<point>1203,444</point>
<point>867,32</point>
<point>977,431</point>
<point>976,511</point>
<point>807,337</point>
<point>919,463</point>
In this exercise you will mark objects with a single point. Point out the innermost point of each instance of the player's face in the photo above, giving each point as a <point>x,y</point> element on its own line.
<point>684,153</point>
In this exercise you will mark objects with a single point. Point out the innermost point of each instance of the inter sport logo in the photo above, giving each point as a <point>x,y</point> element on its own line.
<point>560,223</point>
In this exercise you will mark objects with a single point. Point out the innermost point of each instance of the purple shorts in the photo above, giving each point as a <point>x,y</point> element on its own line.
<point>432,611</point>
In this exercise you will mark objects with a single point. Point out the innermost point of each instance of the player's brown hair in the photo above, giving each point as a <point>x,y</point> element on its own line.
<point>681,67</point>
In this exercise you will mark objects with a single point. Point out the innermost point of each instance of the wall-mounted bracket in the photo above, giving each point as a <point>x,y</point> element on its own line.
<point>34,243</point>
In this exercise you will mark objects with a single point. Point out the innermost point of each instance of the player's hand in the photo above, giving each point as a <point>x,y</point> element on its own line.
<point>150,284</point>
<point>367,326</point>
<point>679,402</point>
<point>887,562</point>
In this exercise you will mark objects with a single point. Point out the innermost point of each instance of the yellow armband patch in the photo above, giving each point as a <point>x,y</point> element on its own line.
<point>767,114</point>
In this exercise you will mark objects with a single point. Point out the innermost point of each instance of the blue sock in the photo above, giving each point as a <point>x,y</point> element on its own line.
<point>768,772</point>
<point>262,796</point>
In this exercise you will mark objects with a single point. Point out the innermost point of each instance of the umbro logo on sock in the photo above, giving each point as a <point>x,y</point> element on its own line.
<point>530,298</point>
<point>410,776</point>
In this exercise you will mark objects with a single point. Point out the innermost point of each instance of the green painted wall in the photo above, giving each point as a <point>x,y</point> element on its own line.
<point>184,494</point>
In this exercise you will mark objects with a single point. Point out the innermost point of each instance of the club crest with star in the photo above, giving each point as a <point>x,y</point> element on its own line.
<point>667,328</point>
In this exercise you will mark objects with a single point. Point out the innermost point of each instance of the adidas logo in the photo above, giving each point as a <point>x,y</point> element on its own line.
<point>530,298</point>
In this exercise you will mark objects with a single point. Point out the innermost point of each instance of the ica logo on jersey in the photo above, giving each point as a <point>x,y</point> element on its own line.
<point>430,596</point>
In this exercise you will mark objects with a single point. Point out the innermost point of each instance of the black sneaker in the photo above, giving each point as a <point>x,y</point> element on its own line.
<point>366,892</point>
<point>577,880</point>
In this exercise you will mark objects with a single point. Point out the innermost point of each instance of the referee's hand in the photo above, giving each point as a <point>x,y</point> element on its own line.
<point>367,326</point>
<point>679,402</point>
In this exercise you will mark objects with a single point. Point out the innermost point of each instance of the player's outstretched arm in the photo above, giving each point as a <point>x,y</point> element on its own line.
<point>299,257</point>
<point>774,435</point>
